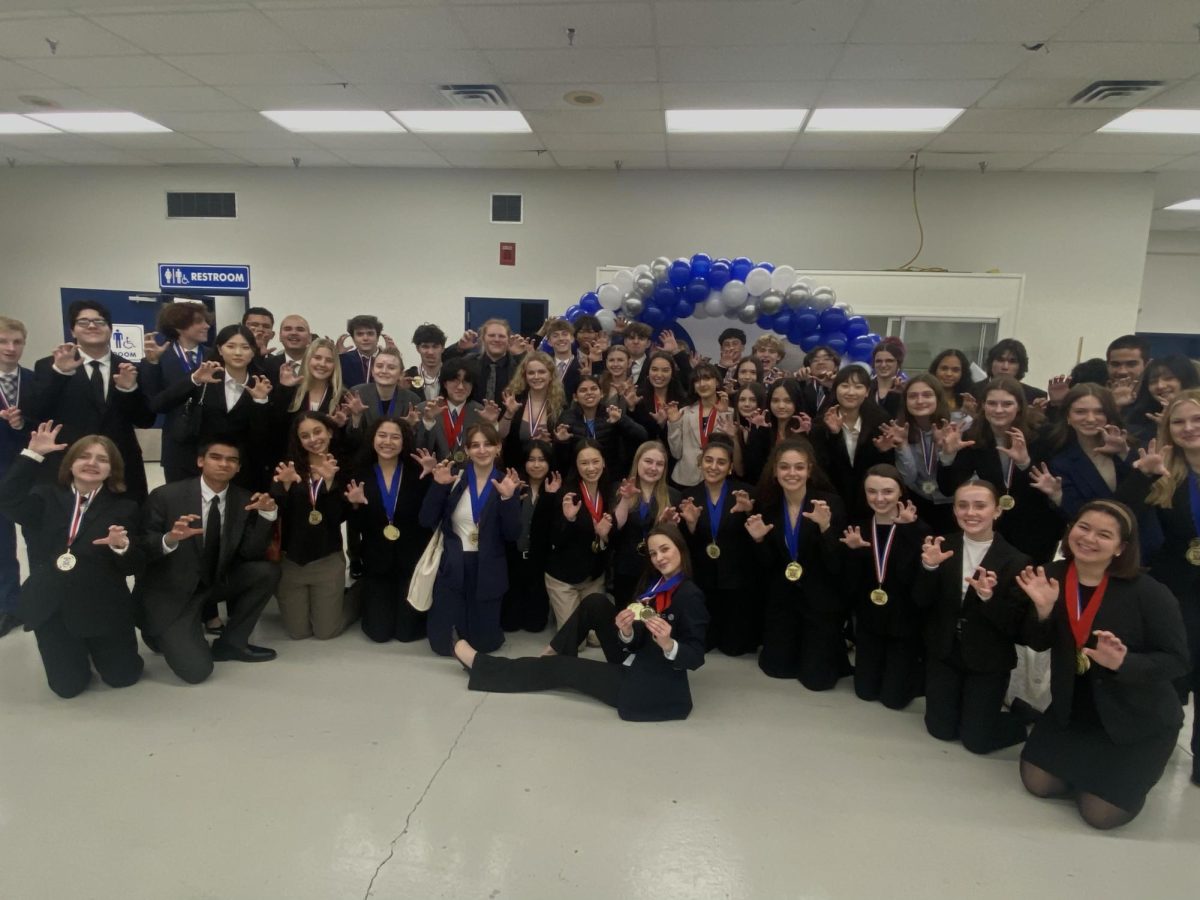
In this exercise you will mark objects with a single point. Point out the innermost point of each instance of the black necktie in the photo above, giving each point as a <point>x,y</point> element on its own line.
<point>490,390</point>
<point>97,380</point>
<point>212,541</point>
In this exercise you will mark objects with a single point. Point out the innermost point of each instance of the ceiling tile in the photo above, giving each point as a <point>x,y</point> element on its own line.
<point>1060,121</point>
<point>751,95</point>
<point>96,155</point>
<point>309,157</point>
<point>1183,164</point>
<point>232,31</point>
<point>595,121</point>
<point>1161,220</point>
<point>1185,95</point>
<point>996,162</point>
<point>1090,61</point>
<point>1101,162</point>
<point>482,142</point>
<point>1043,93</point>
<point>633,95</point>
<point>392,28</point>
<point>896,92</point>
<point>257,140</point>
<point>206,156</point>
<point>256,68</point>
<point>148,100</point>
<point>832,140</point>
<point>400,96</point>
<point>412,66</point>
<point>498,159</point>
<point>749,23</point>
<point>12,155</point>
<point>936,61</point>
<point>574,66</point>
<point>110,71</point>
<point>1167,144</point>
<point>339,142</point>
<point>607,143</point>
<point>424,159</point>
<point>617,25</point>
<point>296,96</point>
<point>847,159</point>
<point>1120,20</point>
<point>75,37</point>
<point>60,98</point>
<point>599,159</point>
<point>729,142</point>
<point>983,142</point>
<point>952,21</point>
<point>204,122</point>
<point>737,64</point>
<point>136,142</point>
<point>746,159</point>
<point>16,77</point>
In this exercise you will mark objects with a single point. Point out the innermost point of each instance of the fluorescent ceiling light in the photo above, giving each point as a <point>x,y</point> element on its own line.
<point>11,123</point>
<point>1185,205</point>
<point>312,121</point>
<point>463,121</point>
<point>882,119</point>
<point>1156,121</point>
<point>99,122</point>
<point>720,121</point>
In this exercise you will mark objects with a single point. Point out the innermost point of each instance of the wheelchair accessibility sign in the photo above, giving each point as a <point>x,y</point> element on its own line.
<point>127,342</point>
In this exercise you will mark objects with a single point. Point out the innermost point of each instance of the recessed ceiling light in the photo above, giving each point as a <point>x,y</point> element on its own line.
<point>882,119</point>
<point>583,98</point>
<point>463,121</point>
<point>1192,205</point>
<point>717,121</point>
<point>11,123</point>
<point>313,121</point>
<point>1156,121</point>
<point>99,122</point>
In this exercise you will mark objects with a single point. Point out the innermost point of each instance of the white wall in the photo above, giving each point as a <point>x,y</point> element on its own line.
<point>1171,285</point>
<point>410,244</point>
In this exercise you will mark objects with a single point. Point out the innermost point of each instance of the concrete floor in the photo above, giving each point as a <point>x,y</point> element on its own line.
<point>347,769</point>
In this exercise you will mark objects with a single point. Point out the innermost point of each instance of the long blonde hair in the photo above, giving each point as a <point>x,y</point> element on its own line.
<point>335,391</point>
<point>1163,491</point>
<point>556,398</point>
<point>662,499</point>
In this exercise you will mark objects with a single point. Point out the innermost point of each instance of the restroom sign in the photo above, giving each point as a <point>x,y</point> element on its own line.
<point>189,276</point>
<point>127,341</point>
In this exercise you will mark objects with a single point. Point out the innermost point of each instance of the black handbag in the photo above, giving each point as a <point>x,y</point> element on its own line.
<point>187,425</point>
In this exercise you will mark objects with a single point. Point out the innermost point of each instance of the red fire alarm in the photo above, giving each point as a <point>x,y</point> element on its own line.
<point>508,253</point>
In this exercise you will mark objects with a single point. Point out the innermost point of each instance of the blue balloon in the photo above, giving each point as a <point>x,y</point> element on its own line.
<point>770,267</point>
<point>589,303</point>
<point>835,340</point>
<point>796,333</point>
<point>856,326</point>
<point>718,276</point>
<point>740,268</point>
<point>653,316</point>
<point>664,296</point>
<point>680,272</point>
<point>783,322</point>
<point>809,341</point>
<point>809,317</point>
<point>875,339</point>
<point>766,323</point>
<point>859,354</point>
<point>573,312</point>
<point>833,320</point>
<point>697,290</point>
<point>684,308</point>
<point>701,264</point>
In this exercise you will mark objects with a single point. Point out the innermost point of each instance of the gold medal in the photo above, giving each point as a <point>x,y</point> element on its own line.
<point>315,517</point>
<point>66,562</point>
<point>1192,554</point>
<point>647,614</point>
<point>391,532</point>
<point>1007,502</point>
<point>879,597</point>
<point>928,488</point>
<point>641,548</point>
<point>460,455</point>
<point>596,546</point>
<point>713,551</point>
<point>636,608</point>
<point>417,381</point>
<point>474,538</point>
<point>793,571</point>
<point>1082,662</point>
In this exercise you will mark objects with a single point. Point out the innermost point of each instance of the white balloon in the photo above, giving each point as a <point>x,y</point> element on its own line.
<point>758,281</point>
<point>733,294</point>
<point>624,280</point>
<point>607,320</point>
<point>643,269</point>
<point>825,291</point>
<point>820,303</point>
<point>782,278</point>
<point>610,295</point>
<point>714,305</point>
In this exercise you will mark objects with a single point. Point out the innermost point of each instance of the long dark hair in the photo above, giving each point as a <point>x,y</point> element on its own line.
<point>792,387</point>
<point>675,391</point>
<point>964,380</point>
<point>760,399</point>
<point>1125,564</point>
<point>367,457</point>
<point>981,430</point>
<point>941,411</point>
<point>573,477</point>
<point>297,455</point>
<point>1061,434</point>
<point>672,533</point>
<point>770,494</point>
<point>252,368</point>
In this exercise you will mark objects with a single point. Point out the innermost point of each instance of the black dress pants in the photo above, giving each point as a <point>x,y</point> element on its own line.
<point>68,658</point>
<point>968,705</point>
<point>526,606</point>
<point>886,668</point>
<point>386,613</point>
<point>734,622</point>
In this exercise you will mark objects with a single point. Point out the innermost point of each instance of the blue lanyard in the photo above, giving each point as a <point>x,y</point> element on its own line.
<point>478,498</point>
<point>386,409</point>
<point>389,493</point>
<point>590,425</point>
<point>662,587</point>
<point>716,510</point>
<point>791,530</point>
<point>1194,491</point>
<point>644,515</point>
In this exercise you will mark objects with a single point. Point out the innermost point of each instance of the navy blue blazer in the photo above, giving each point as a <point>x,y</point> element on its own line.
<point>1081,479</point>
<point>352,369</point>
<point>499,522</point>
<point>14,440</point>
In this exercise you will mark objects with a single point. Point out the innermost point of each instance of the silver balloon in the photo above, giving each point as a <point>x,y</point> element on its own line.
<point>644,285</point>
<point>843,306</point>
<point>660,267</point>
<point>826,291</point>
<point>820,302</point>
<point>770,303</point>
<point>797,295</point>
<point>632,305</point>
<point>748,313</point>
<point>732,313</point>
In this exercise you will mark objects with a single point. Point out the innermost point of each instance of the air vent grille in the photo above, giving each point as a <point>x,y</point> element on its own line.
<point>201,205</point>
<point>474,96</point>
<point>1118,93</point>
<point>507,209</point>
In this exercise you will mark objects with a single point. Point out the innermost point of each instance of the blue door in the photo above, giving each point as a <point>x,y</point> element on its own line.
<point>523,316</point>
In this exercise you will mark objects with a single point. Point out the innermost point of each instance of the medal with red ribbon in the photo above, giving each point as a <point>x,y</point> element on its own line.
<point>707,423</point>
<point>662,593</point>
<point>595,507</point>
<point>66,562</point>
<point>535,419</point>
<point>879,596</point>
<point>314,489</point>
<point>452,424</point>
<point>1081,619</point>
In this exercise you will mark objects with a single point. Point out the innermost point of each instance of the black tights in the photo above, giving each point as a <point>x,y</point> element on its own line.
<point>1096,812</point>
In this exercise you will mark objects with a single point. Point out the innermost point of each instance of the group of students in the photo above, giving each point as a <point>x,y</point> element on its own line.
<point>656,504</point>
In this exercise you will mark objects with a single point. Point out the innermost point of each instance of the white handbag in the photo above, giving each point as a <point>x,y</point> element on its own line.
<point>420,588</point>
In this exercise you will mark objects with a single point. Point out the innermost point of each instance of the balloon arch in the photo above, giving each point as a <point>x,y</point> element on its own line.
<point>775,298</point>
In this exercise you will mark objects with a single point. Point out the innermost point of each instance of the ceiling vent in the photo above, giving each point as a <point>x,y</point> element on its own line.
<point>1116,93</point>
<point>474,96</point>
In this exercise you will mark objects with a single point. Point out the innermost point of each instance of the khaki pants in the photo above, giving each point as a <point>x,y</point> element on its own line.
<point>313,599</point>
<point>565,598</point>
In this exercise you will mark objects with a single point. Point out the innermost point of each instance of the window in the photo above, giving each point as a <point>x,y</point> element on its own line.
<point>926,336</point>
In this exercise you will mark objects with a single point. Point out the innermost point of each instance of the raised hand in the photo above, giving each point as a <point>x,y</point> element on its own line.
<point>286,474</point>
<point>1047,482</point>
<point>388,341</point>
<point>758,418</point>
<point>66,358</point>
<point>742,502</point>
<point>152,349</point>
<point>906,512</point>
<point>627,490</point>
<point>968,404</point>
<point>340,416</point>
<point>469,340</point>
<point>1123,391</point>
<point>1109,651</point>
<point>726,425</point>
<point>757,528</point>
<point>413,416</point>
<point>259,387</point>
<point>1116,441</point>
<point>425,459</point>
<point>722,402</point>
<point>512,405</point>
<point>801,423</point>
<point>853,538</point>
<point>689,512</point>
<point>261,502</point>
<point>44,439</point>
<point>804,373</point>
<point>562,433</point>
<point>1041,590</point>
<point>116,538</point>
<point>211,372</point>
<point>624,622</point>
<point>1017,450</point>
<point>984,582</point>
<point>1151,461</point>
<point>182,529</point>
<point>356,493</point>
<point>897,434</point>
<point>669,514</point>
<point>288,376</point>
<point>603,527</point>
<point>326,469</point>
<point>949,439</point>
<point>932,554</point>
<point>517,345</point>
<point>508,485</point>
<point>490,411</point>
<point>443,473</point>
<point>343,343</point>
<point>553,483</point>
<point>820,513</point>
<point>1057,388</point>
<point>674,413</point>
<point>14,417</point>
<point>629,394</point>
<point>613,413</point>
<point>570,506</point>
<point>666,340</point>
<point>833,420</point>
<point>354,405</point>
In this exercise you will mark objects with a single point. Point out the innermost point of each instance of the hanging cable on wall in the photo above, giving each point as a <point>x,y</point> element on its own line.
<point>908,266</point>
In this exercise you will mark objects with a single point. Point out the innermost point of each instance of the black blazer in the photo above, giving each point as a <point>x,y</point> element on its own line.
<point>506,367</point>
<point>618,442</point>
<point>1137,701</point>
<point>734,569</point>
<point>69,401</point>
<point>301,541</point>
<point>155,378</point>
<point>1169,564</point>
<point>987,630</point>
<point>890,403</point>
<point>382,558</point>
<point>515,443</point>
<point>571,557</point>
<point>815,399</point>
<point>499,522</point>
<point>166,591</point>
<point>93,597</point>
<point>627,560</point>
<point>819,592</point>
<point>847,475</point>
<point>654,688</point>
<point>900,617</point>
<point>270,366</point>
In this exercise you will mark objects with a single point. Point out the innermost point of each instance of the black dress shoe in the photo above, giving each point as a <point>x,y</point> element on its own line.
<point>151,642</point>
<point>9,621</point>
<point>1024,712</point>
<point>217,630</point>
<point>222,652</point>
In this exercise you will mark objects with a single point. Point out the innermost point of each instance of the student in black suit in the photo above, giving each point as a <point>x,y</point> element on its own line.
<point>478,511</point>
<point>881,568</point>
<point>533,402</point>
<point>639,503</point>
<point>796,536</point>
<point>821,365</point>
<point>205,539</point>
<point>847,438</point>
<point>1165,376</point>
<point>444,423</point>
<point>488,353</point>
<point>87,390</point>
<point>14,433</point>
<point>923,405</point>
<point>975,616</point>
<point>1116,640</point>
<point>887,359</point>
<point>75,600</point>
<point>649,646</point>
<point>367,334</point>
<point>425,377</point>
<point>317,388</point>
<point>394,482</point>
<point>295,336</point>
<point>186,326</point>
<point>783,418</point>
<point>615,432</point>
<point>564,364</point>
<point>1008,358</point>
<point>260,322</point>
<point>526,605</point>
<point>714,513</point>
<point>953,370</point>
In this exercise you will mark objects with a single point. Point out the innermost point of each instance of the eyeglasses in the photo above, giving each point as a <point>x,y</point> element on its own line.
<point>91,323</point>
